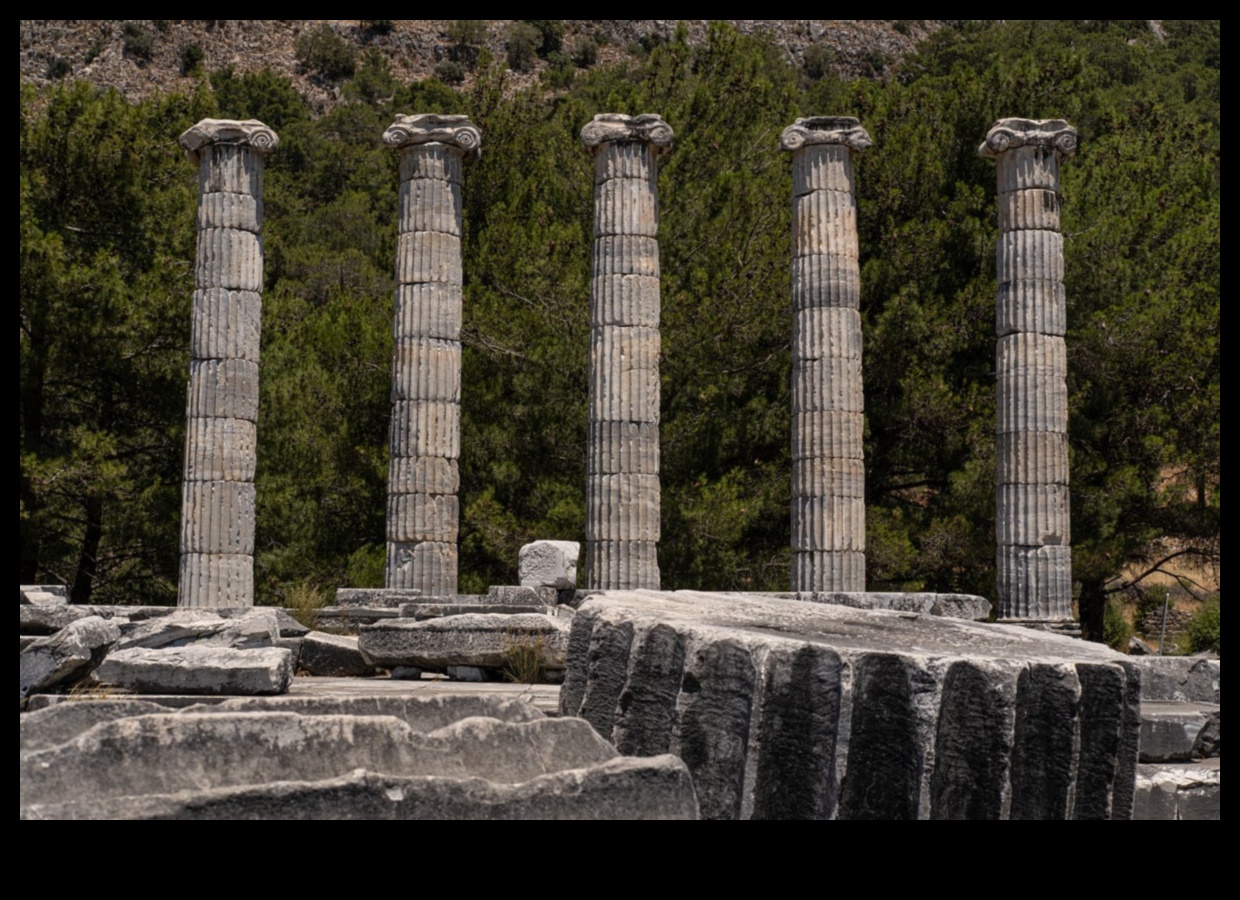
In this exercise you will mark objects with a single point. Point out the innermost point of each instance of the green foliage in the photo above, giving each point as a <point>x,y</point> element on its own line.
<point>1116,629</point>
<point>550,35</point>
<point>57,68</point>
<point>191,58</point>
<point>468,32</point>
<point>137,41</point>
<point>1205,630</point>
<point>450,72</point>
<point>522,46</point>
<point>817,60</point>
<point>326,54</point>
<point>584,52</point>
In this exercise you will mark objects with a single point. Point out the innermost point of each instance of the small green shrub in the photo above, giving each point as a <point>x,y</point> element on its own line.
<point>450,72</point>
<point>550,35</point>
<point>525,657</point>
<point>468,32</point>
<point>92,53</point>
<point>137,41</point>
<point>1116,629</point>
<point>326,53</point>
<point>1205,630</point>
<point>191,58</point>
<point>521,46</point>
<point>584,52</point>
<point>817,60</point>
<point>57,68</point>
<point>303,600</point>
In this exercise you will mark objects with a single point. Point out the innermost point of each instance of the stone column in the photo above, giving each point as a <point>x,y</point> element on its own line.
<point>217,504</point>
<point>1034,556</point>
<point>828,418</point>
<point>423,514</point>
<point>622,494</point>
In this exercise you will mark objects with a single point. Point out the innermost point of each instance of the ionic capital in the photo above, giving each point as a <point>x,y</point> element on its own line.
<point>427,128</point>
<point>227,131</point>
<point>825,130</point>
<point>607,127</point>
<point>1008,134</point>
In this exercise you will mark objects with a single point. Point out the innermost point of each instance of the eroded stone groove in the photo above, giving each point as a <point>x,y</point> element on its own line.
<point>786,709</point>
<point>828,480</point>
<point>217,507</point>
<point>422,513</point>
<point>1034,559</point>
<point>622,491</point>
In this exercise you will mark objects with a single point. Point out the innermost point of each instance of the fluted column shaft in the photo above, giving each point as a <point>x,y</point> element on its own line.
<point>423,516</point>
<point>217,505</point>
<point>1034,515</point>
<point>622,492</point>
<point>828,409</point>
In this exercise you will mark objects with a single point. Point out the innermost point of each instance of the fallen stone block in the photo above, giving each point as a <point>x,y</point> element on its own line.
<point>293,646</point>
<point>657,788</point>
<point>166,753</point>
<point>1209,743</point>
<point>67,656</point>
<point>809,710</point>
<point>350,619</point>
<point>333,656</point>
<point>470,674</point>
<point>184,627</point>
<point>24,641</point>
<point>405,673</point>
<point>421,611</point>
<point>198,670</point>
<point>485,641</point>
<point>1169,729</point>
<point>1179,791</point>
<point>43,595</point>
<point>44,620</point>
<point>1138,647</point>
<point>63,722</point>
<point>521,595</point>
<point>376,598</point>
<point>549,564</point>
<point>1190,679</point>
<point>954,606</point>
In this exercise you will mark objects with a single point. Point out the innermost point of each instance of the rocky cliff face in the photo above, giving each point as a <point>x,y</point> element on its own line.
<point>144,56</point>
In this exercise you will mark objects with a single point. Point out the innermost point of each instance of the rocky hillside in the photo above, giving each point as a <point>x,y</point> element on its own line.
<point>142,56</point>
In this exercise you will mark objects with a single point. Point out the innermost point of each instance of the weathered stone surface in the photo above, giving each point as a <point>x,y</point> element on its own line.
<point>450,137</point>
<point>828,384</point>
<point>825,222</point>
<point>255,629</point>
<point>428,310</point>
<point>828,435</point>
<point>1034,515</point>
<point>617,448</point>
<point>1037,581</point>
<point>223,389</point>
<point>1179,792</point>
<point>825,282</point>
<point>1169,729</point>
<point>376,598</point>
<point>624,159</point>
<point>279,764</point>
<point>426,428</point>
<point>953,606</point>
<point>66,656</point>
<point>828,567</point>
<point>658,788</point>
<point>230,138</point>
<point>217,517</point>
<point>350,619</point>
<point>198,670</point>
<point>63,722</point>
<point>826,332</point>
<point>864,714</point>
<point>405,673</point>
<point>428,566</point>
<point>25,641</point>
<point>428,256</point>
<point>216,580</point>
<point>1039,307</point>
<point>635,563</point>
<point>426,369</point>
<point>626,206</point>
<point>549,564</point>
<point>220,450</point>
<point>42,595</point>
<point>430,204</point>
<point>229,210</point>
<point>1182,678</point>
<point>1032,457</point>
<point>485,641</point>
<point>333,656</point>
<point>412,518</point>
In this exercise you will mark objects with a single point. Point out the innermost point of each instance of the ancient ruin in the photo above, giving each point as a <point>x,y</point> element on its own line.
<point>1034,519</point>
<point>423,512</point>
<point>828,464</point>
<point>217,507</point>
<point>622,482</point>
